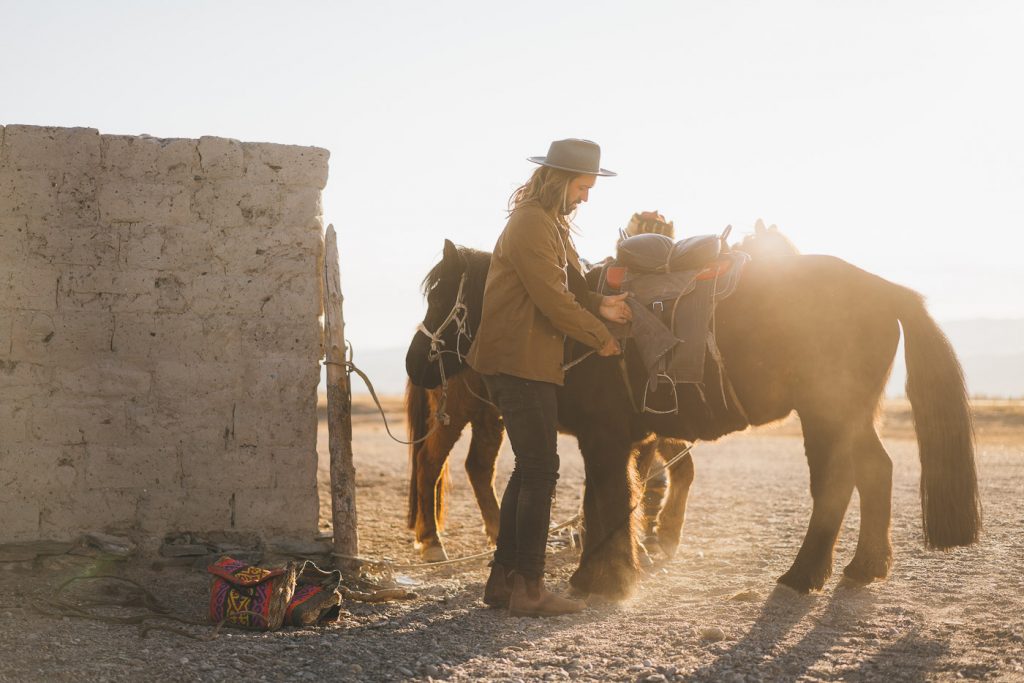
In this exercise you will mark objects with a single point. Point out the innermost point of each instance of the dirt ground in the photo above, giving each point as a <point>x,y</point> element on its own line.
<point>713,613</point>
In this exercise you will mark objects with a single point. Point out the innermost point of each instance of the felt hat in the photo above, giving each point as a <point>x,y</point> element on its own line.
<point>578,156</point>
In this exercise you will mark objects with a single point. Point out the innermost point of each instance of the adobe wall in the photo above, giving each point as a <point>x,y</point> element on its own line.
<point>159,334</point>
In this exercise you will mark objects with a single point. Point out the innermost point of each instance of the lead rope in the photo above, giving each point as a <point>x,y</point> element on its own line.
<point>440,417</point>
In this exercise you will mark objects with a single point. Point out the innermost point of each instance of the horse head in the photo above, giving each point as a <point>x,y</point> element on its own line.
<point>767,244</point>
<point>454,289</point>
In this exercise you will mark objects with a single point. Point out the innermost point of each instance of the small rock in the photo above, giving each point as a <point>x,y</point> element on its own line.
<point>654,678</point>
<point>746,596</point>
<point>111,545</point>
<point>431,670</point>
<point>405,672</point>
<point>183,660</point>
<point>712,634</point>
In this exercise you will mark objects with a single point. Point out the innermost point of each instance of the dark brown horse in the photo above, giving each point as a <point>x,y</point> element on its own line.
<point>810,333</point>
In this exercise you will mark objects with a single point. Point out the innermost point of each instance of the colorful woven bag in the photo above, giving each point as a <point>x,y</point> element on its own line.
<point>250,597</point>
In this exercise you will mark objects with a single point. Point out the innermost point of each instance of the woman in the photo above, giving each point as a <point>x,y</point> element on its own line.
<point>528,312</point>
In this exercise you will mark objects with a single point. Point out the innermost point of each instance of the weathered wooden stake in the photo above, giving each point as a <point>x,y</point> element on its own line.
<point>339,411</point>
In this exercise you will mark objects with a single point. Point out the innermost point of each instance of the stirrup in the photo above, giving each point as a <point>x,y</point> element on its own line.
<point>675,397</point>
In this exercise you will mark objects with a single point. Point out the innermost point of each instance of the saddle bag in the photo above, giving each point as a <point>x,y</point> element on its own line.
<point>258,599</point>
<point>317,599</point>
<point>652,253</point>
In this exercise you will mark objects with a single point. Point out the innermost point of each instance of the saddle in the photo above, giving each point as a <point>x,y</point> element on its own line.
<point>675,288</point>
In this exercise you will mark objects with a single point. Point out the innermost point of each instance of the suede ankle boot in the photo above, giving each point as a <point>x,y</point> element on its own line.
<point>498,587</point>
<point>531,599</point>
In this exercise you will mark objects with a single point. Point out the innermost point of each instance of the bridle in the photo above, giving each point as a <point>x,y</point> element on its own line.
<point>458,315</point>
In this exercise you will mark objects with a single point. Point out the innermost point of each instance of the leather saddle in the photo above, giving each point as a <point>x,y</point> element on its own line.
<point>675,287</point>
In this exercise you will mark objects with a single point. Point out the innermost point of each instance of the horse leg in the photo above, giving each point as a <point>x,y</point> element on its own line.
<point>673,513</point>
<point>873,473</point>
<point>608,564</point>
<point>653,492</point>
<point>483,454</point>
<point>831,468</point>
<point>432,457</point>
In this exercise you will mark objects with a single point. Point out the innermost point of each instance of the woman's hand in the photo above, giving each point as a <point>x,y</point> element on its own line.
<point>615,309</point>
<point>612,348</point>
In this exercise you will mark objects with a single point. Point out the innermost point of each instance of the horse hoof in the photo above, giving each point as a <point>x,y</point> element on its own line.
<point>801,583</point>
<point>433,553</point>
<point>866,572</point>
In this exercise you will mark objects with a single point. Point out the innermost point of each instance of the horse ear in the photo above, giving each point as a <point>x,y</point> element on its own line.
<point>451,252</point>
<point>759,227</point>
<point>773,228</point>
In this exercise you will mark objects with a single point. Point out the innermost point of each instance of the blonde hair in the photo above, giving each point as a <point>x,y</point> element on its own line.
<point>547,186</point>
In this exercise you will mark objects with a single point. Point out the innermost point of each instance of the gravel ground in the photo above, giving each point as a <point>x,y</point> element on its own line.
<point>713,613</point>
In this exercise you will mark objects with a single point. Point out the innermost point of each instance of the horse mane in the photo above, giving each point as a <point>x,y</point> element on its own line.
<point>477,263</point>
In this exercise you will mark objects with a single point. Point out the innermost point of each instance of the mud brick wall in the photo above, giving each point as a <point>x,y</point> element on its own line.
<point>159,334</point>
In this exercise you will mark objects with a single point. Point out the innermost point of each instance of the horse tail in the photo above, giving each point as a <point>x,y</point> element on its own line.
<point>417,412</point>
<point>950,505</point>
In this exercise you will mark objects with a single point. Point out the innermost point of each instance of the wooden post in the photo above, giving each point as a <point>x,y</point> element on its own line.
<point>339,411</point>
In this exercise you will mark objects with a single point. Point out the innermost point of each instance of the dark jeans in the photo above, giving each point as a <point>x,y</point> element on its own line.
<point>530,411</point>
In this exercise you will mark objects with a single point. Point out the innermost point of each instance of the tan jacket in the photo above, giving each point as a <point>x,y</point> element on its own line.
<point>528,308</point>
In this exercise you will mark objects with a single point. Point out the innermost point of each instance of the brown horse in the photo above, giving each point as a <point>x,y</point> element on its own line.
<point>432,442</point>
<point>805,333</point>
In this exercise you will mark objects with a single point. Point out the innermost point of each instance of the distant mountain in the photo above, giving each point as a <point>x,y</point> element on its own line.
<point>991,351</point>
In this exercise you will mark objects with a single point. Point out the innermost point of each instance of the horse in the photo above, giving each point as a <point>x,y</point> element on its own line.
<point>806,333</point>
<point>464,403</point>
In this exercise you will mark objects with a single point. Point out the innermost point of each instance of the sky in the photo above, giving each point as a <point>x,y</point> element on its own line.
<point>885,133</point>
